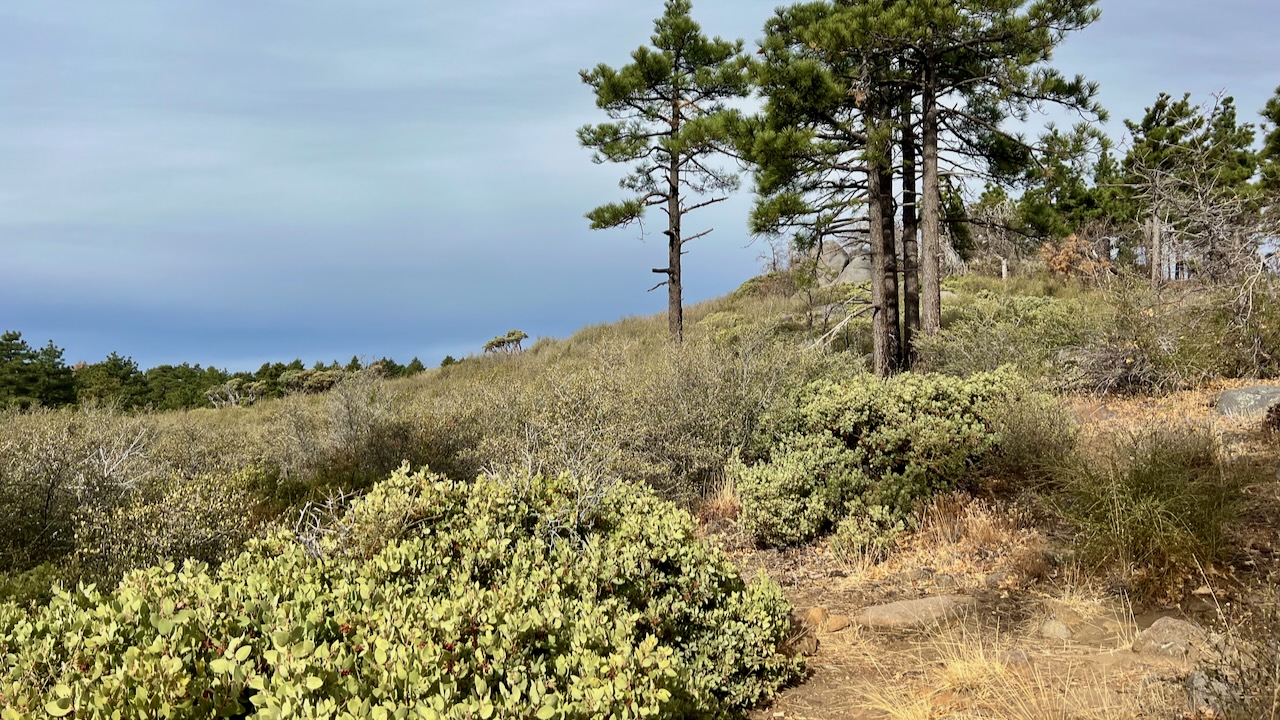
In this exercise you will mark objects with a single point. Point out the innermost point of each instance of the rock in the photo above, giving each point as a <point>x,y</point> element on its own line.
<point>1205,694</point>
<point>998,578</point>
<point>913,613</point>
<point>857,271</point>
<point>945,582</point>
<point>1171,638</point>
<point>816,617</point>
<point>836,623</point>
<point>1054,629</point>
<point>1248,402</point>
<point>806,645</point>
<point>1014,658</point>
<point>803,640</point>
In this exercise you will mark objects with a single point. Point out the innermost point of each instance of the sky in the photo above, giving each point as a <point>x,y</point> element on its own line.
<point>233,183</point>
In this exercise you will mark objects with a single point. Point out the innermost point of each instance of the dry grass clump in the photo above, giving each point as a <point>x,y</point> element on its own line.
<point>977,543</point>
<point>1152,505</point>
<point>963,673</point>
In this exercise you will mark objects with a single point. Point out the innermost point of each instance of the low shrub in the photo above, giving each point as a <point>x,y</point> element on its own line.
<point>868,533</point>
<point>1152,506</point>
<point>205,518</point>
<point>800,492</point>
<point>516,597</point>
<point>56,465</point>
<point>671,416</point>
<point>865,443</point>
<point>31,586</point>
<point>992,330</point>
<point>1037,440</point>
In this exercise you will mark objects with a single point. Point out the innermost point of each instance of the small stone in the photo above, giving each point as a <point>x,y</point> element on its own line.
<point>836,623</point>
<point>1205,694</point>
<point>1054,629</point>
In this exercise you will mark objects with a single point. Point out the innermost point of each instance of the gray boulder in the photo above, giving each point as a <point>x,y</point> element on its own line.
<point>913,613</point>
<point>1171,638</point>
<point>1248,402</point>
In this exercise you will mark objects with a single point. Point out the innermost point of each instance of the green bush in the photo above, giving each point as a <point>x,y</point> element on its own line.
<point>511,597</point>
<point>1153,506</point>
<point>992,330</point>
<point>868,533</point>
<point>31,586</point>
<point>865,443</point>
<point>800,492</point>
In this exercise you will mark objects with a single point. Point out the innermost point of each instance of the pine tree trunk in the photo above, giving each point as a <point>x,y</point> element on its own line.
<point>675,242</point>
<point>931,225</point>
<point>889,249</point>
<point>884,277</point>
<point>675,300</point>
<point>910,242</point>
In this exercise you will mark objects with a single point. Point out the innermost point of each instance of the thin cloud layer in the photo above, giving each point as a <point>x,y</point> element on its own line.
<point>232,183</point>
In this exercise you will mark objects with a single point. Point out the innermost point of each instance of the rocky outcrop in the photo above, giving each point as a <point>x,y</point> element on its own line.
<point>839,266</point>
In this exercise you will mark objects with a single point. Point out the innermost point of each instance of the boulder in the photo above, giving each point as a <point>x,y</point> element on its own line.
<point>1171,638</point>
<point>1248,402</point>
<point>913,613</point>
<point>1054,629</point>
<point>1210,696</point>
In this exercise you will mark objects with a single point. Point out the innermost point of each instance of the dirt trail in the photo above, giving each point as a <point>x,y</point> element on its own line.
<point>1042,640</point>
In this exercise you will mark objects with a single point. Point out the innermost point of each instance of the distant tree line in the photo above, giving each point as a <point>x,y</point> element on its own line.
<point>41,377</point>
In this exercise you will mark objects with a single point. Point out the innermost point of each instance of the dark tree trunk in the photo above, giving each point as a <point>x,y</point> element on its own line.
<point>886,345</point>
<point>675,242</point>
<point>910,242</point>
<point>931,225</point>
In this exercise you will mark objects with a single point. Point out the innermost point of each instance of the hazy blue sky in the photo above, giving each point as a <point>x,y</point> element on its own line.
<point>236,182</point>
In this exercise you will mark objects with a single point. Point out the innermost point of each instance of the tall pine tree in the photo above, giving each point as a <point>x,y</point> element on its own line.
<point>669,119</point>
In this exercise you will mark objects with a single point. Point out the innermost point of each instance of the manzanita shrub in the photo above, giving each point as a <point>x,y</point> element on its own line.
<point>510,597</point>
<point>868,447</point>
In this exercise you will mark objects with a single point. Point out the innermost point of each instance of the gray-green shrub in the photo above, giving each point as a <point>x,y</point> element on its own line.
<point>865,443</point>
<point>467,605</point>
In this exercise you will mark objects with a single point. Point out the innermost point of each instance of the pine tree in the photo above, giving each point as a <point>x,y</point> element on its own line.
<point>842,79</point>
<point>669,119</point>
<point>1270,154</point>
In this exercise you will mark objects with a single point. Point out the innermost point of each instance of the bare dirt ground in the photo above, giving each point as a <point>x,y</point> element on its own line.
<point>1043,638</point>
